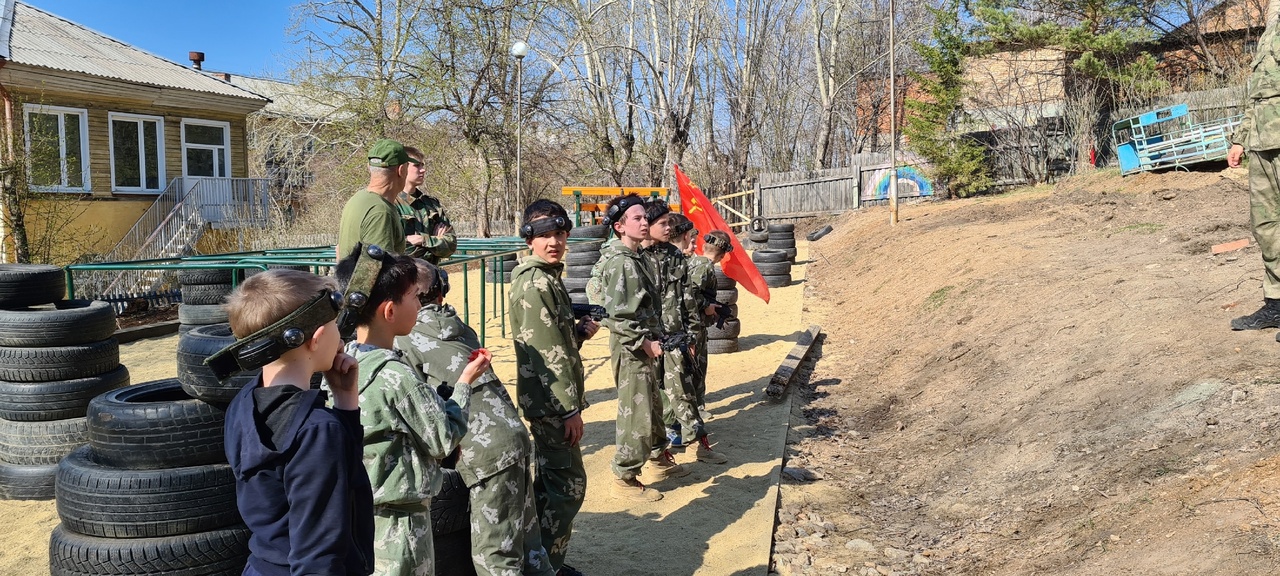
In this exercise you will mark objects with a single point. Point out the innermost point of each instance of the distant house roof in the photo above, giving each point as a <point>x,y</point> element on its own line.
<point>287,99</point>
<point>31,36</point>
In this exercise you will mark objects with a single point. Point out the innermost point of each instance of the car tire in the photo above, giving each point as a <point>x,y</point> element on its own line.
<point>19,482</point>
<point>781,243</point>
<point>450,508</point>
<point>205,294</point>
<point>758,237</point>
<point>765,256</point>
<point>40,443</point>
<point>732,328</point>
<point>197,379</point>
<point>583,258</point>
<point>724,282</point>
<point>50,363</point>
<point>155,425</point>
<point>202,314</point>
<point>68,323</point>
<point>727,297</point>
<point>58,399</point>
<point>722,346</point>
<point>23,285</point>
<point>216,552</point>
<point>758,224</point>
<point>782,229</point>
<point>107,502</point>
<point>589,231</point>
<point>774,268</point>
<point>197,277</point>
<point>819,233</point>
<point>778,281</point>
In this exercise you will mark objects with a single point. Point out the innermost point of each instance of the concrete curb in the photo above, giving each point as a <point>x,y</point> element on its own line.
<point>136,333</point>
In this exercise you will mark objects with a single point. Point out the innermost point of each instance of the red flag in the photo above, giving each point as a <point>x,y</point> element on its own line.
<point>736,264</point>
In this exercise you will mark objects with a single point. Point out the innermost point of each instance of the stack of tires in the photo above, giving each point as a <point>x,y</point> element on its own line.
<point>582,257</point>
<point>782,237</point>
<point>152,492</point>
<point>199,380</point>
<point>774,265</point>
<point>498,269</point>
<point>55,356</point>
<point>724,339</point>
<point>203,293</point>
<point>757,234</point>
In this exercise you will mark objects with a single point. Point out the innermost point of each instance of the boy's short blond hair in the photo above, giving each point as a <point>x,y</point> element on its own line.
<point>709,247</point>
<point>266,297</point>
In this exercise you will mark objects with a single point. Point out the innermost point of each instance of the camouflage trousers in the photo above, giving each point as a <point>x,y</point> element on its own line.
<point>505,540</point>
<point>559,486</point>
<point>639,432</point>
<point>700,371</point>
<point>679,398</point>
<point>1264,214</point>
<point>402,541</point>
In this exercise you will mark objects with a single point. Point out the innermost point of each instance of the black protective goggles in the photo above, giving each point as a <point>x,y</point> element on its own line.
<point>541,226</point>
<point>615,212</point>
<point>724,245</point>
<point>269,344</point>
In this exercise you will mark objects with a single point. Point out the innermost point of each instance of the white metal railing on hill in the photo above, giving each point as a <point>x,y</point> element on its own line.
<point>174,223</point>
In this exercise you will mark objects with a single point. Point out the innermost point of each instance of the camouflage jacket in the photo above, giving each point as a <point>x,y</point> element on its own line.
<point>623,283</point>
<point>1260,128</point>
<point>408,429</point>
<point>670,275</point>
<point>549,374</point>
<point>421,216</point>
<point>702,283</point>
<point>438,349</point>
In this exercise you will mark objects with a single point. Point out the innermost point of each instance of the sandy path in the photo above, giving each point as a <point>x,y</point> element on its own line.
<point>716,521</point>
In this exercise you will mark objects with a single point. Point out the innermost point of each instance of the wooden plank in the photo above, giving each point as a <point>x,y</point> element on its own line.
<point>612,191</point>
<point>787,370</point>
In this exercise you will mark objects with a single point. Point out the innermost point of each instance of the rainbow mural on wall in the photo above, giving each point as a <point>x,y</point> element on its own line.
<point>906,175</point>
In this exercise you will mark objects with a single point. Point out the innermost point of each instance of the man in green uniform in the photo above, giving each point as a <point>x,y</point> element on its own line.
<point>1259,133</point>
<point>370,216</point>
<point>550,382</point>
<point>495,454</point>
<point>408,427</point>
<point>681,420</point>
<point>623,284</point>
<point>428,232</point>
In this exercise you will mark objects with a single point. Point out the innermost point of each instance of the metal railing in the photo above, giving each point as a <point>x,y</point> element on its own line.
<point>174,223</point>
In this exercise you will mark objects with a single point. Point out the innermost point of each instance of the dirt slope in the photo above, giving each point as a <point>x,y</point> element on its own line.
<point>1040,383</point>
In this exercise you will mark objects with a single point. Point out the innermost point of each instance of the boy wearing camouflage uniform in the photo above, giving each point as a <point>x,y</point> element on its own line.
<point>428,232</point>
<point>495,453</point>
<point>408,427</point>
<point>623,284</point>
<point>681,420</point>
<point>701,289</point>
<point>550,383</point>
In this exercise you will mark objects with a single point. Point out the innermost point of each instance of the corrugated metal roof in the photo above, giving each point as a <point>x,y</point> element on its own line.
<point>286,99</point>
<point>42,39</point>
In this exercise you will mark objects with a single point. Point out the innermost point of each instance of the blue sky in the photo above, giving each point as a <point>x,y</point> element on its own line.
<point>246,37</point>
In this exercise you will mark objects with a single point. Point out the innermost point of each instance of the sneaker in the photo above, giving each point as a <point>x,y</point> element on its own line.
<point>633,490</point>
<point>673,435</point>
<point>704,453</point>
<point>568,570</point>
<point>664,466</point>
<point>1268,316</point>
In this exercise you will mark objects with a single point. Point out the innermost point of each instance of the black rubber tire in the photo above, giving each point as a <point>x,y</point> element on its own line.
<point>576,284</point>
<point>27,482</point>
<point>197,379</point>
<point>727,297</point>
<point>589,231</point>
<point>722,346</point>
<point>763,256</point>
<point>578,271</point>
<point>791,254</point>
<point>581,258</point>
<point>819,233</point>
<point>732,328</point>
<point>778,281</point>
<point>40,443</point>
<point>202,314</point>
<point>155,425</point>
<point>498,278</point>
<point>453,554</point>
<point>24,285</point>
<point>98,500</point>
<point>758,224</point>
<point>205,294</point>
<point>197,277</point>
<point>724,282</point>
<point>66,323</point>
<point>213,553</point>
<point>504,266</point>
<point>781,243</point>
<point>59,362</point>
<point>450,510</point>
<point>758,237</point>
<point>56,400</point>
<point>579,298</point>
<point>774,268</point>
<point>780,228</point>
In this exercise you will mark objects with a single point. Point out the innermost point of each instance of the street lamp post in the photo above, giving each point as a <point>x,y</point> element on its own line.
<point>519,50</point>
<point>893,122</point>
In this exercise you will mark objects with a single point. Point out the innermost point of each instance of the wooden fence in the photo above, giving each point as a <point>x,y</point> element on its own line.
<point>835,190</point>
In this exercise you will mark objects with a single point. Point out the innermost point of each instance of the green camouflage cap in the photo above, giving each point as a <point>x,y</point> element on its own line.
<point>387,153</point>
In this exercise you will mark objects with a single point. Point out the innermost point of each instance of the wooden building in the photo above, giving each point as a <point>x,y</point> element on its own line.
<point>124,131</point>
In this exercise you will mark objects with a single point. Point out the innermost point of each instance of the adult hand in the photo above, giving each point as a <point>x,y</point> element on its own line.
<point>442,229</point>
<point>573,429</point>
<point>1234,154</point>
<point>343,379</point>
<point>414,239</point>
<point>652,348</point>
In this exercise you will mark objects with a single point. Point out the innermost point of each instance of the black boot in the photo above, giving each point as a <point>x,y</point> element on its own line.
<point>1268,316</point>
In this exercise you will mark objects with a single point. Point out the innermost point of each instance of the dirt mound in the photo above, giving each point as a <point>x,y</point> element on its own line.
<point>1041,382</point>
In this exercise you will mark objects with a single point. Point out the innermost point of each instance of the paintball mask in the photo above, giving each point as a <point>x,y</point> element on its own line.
<point>541,226</point>
<point>615,212</point>
<point>722,243</point>
<point>268,344</point>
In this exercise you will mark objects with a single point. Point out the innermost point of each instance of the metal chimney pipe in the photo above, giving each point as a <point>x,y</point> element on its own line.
<point>197,58</point>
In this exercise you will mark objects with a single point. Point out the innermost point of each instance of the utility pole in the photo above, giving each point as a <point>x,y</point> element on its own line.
<point>519,50</point>
<point>893,121</point>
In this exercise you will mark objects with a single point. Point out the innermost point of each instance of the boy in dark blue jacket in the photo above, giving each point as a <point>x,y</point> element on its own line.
<point>301,485</point>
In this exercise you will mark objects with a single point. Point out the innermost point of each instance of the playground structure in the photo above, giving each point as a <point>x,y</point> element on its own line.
<point>1168,138</point>
<point>596,208</point>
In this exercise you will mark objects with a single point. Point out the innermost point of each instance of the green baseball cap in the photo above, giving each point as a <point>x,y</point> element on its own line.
<point>387,153</point>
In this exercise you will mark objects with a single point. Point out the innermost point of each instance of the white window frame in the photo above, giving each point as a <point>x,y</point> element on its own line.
<point>226,146</point>
<point>27,110</point>
<point>142,152</point>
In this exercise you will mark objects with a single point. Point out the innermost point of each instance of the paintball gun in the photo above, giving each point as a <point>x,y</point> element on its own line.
<point>680,341</point>
<point>596,313</point>
<point>722,310</point>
